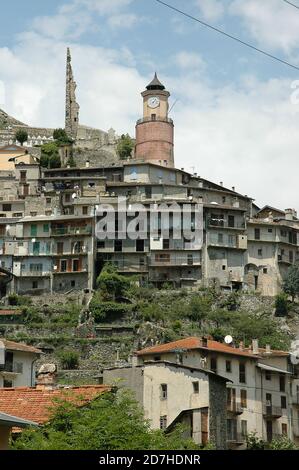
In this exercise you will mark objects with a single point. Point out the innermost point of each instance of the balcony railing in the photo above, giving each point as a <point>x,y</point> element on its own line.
<point>237,439</point>
<point>285,259</point>
<point>58,231</point>
<point>272,411</point>
<point>174,260</point>
<point>221,223</point>
<point>158,119</point>
<point>28,273</point>
<point>234,408</point>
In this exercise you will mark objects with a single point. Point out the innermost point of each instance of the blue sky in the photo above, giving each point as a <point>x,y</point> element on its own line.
<point>234,116</point>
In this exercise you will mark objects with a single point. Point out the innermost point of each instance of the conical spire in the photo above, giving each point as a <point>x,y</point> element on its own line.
<point>155,84</point>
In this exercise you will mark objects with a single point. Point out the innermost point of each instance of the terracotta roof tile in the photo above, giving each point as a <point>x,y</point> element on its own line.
<point>37,405</point>
<point>13,346</point>
<point>196,343</point>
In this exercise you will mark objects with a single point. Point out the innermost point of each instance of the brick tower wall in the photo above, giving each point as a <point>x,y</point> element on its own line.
<point>155,142</point>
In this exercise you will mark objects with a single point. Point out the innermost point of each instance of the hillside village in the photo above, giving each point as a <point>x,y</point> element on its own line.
<point>197,327</point>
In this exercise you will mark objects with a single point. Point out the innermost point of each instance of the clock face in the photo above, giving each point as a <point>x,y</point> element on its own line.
<point>153,102</point>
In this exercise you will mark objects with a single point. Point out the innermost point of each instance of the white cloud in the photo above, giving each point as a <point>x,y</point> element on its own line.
<point>272,24</point>
<point>189,60</point>
<point>125,20</point>
<point>211,9</point>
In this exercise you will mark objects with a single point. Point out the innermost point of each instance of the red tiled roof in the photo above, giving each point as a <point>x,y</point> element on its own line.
<point>196,343</point>
<point>13,346</point>
<point>10,312</point>
<point>37,405</point>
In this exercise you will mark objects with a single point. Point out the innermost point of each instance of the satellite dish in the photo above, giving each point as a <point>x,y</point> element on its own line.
<point>228,339</point>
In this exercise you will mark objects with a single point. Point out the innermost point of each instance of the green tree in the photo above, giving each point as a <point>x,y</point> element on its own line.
<point>113,421</point>
<point>199,308</point>
<point>21,136</point>
<point>111,284</point>
<point>281,304</point>
<point>69,359</point>
<point>124,147</point>
<point>50,156</point>
<point>291,282</point>
<point>61,137</point>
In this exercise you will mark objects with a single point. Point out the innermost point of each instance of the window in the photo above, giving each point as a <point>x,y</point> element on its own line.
<point>231,426</point>
<point>46,227</point>
<point>242,373</point>
<point>67,198</point>
<point>282,383</point>
<point>163,391</point>
<point>265,270</point>
<point>48,212</point>
<point>260,252</point>
<point>223,267</point>
<point>283,233</point>
<point>36,268</point>
<point>63,265</point>
<point>7,383</point>
<point>33,230</point>
<point>18,367</point>
<point>76,265</point>
<point>165,244</point>
<point>59,248</point>
<point>291,256</point>
<point>85,210</point>
<point>23,176</point>
<point>33,214</point>
<point>220,237</point>
<point>243,394</point>
<point>73,283</point>
<point>6,207</point>
<point>244,428</point>
<point>270,230</point>
<point>214,364</point>
<point>154,117</point>
<point>268,375</point>
<point>231,220</point>
<point>157,358</point>
<point>118,245</point>
<point>257,234</point>
<point>163,422</point>
<point>284,429</point>
<point>140,245</point>
<point>101,244</point>
<point>195,387</point>
<point>228,366</point>
<point>34,284</point>
<point>48,200</point>
<point>283,401</point>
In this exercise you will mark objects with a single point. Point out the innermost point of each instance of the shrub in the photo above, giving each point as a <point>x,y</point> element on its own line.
<point>281,305</point>
<point>111,284</point>
<point>19,300</point>
<point>69,360</point>
<point>107,310</point>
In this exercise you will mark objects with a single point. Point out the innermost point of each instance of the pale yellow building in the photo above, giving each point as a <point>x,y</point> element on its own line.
<point>10,155</point>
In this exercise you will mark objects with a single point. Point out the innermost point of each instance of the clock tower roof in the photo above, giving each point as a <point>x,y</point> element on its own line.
<point>155,84</point>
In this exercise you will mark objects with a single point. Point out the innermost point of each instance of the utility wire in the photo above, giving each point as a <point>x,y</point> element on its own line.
<point>292,4</point>
<point>234,38</point>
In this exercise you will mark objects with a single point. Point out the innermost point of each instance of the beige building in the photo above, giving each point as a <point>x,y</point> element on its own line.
<point>7,423</point>
<point>259,398</point>
<point>17,364</point>
<point>172,393</point>
<point>10,155</point>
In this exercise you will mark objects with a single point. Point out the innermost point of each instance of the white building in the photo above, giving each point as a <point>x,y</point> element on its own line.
<point>17,364</point>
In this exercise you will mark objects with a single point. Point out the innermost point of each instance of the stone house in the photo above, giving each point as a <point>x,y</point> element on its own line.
<point>172,393</point>
<point>259,395</point>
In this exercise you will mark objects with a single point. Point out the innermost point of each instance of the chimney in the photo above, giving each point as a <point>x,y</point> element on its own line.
<point>46,377</point>
<point>268,349</point>
<point>241,345</point>
<point>87,164</point>
<point>255,346</point>
<point>221,183</point>
<point>290,214</point>
<point>233,188</point>
<point>204,342</point>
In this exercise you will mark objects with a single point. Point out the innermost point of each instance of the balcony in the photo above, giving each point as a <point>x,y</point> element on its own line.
<point>28,273</point>
<point>272,412</point>
<point>285,259</point>
<point>234,408</point>
<point>9,368</point>
<point>236,439</point>
<point>168,259</point>
<point>158,119</point>
<point>61,231</point>
<point>222,223</point>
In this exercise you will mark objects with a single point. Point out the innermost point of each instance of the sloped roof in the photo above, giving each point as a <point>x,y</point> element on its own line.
<point>38,404</point>
<point>196,343</point>
<point>13,346</point>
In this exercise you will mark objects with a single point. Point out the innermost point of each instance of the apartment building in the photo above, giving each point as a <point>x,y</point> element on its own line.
<point>259,399</point>
<point>17,364</point>
<point>172,393</point>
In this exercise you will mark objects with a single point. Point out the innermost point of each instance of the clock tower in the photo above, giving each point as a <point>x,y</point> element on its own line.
<point>155,131</point>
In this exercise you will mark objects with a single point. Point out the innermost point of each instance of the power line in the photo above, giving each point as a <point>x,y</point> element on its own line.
<point>292,4</point>
<point>234,38</point>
